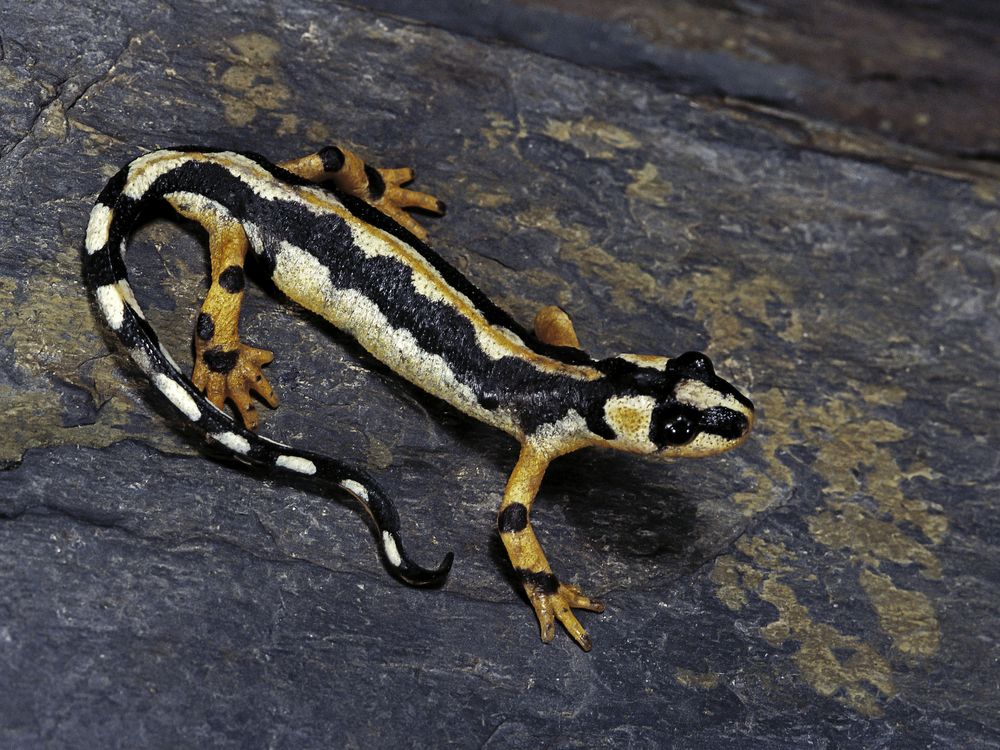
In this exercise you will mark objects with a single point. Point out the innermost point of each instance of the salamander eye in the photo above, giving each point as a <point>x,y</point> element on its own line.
<point>672,426</point>
<point>692,362</point>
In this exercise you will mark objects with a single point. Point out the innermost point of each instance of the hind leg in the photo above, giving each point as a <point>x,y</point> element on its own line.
<point>382,188</point>
<point>225,368</point>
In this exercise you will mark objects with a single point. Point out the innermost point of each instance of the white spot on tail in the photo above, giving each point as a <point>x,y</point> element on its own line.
<point>391,550</point>
<point>296,463</point>
<point>231,440</point>
<point>177,395</point>
<point>142,359</point>
<point>356,489</point>
<point>112,305</point>
<point>98,228</point>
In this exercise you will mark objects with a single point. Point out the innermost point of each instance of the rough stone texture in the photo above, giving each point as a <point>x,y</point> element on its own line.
<point>831,584</point>
<point>912,71</point>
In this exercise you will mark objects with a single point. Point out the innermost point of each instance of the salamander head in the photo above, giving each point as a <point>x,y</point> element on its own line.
<point>674,407</point>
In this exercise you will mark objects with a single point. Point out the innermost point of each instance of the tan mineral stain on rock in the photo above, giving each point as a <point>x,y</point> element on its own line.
<point>486,197</point>
<point>859,471</point>
<point>987,191</point>
<point>735,579</point>
<point>648,187</point>
<point>380,455</point>
<point>48,348</point>
<point>774,556</point>
<point>732,310</point>
<point>501,132</point>
<point>907,616</point>
<point>629,284</point>
<point>858,676</point>
<point>318,132</point>
<point>698,680</point>
<point>774,485</point>
<point>869,540</point>
<point>600,140</point>
<point>254,80</point>
<point>724,304</point>
<point>95,144</point>
<point>727,575</point>
<point>864,509</point>
<point>838,666</point>
<point>853,455</point>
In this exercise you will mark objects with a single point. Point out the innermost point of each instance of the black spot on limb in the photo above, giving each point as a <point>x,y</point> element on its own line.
<point>376,185</point>
<point>205,326</point>
<point>219,361</point>
<point>542,582</point>
<point>513,518</point>
<point>332,158</point>
<point>232,279</point>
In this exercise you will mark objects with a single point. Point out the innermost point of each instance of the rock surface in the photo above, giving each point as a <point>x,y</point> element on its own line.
<point>922,73</point>
<point>833,583</point>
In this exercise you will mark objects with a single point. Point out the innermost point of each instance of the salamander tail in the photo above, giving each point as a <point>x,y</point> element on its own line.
<point>112,218</point>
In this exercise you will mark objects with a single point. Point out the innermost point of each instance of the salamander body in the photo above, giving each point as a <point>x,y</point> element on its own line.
<point>333,235</point>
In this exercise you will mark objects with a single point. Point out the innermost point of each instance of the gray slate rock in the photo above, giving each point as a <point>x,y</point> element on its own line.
<point>832,583</point>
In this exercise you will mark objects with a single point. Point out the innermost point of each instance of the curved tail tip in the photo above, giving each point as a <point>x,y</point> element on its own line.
<point>416,575</point>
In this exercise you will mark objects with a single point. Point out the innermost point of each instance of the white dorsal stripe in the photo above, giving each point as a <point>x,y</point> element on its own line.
<point>308,281</point>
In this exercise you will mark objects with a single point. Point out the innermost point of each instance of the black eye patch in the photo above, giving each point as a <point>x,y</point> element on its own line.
<point>673,424</point>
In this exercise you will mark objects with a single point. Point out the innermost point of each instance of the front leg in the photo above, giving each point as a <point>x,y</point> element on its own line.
<point>550,599</point>
<point>382,188</point>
